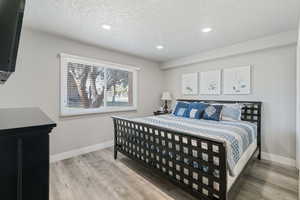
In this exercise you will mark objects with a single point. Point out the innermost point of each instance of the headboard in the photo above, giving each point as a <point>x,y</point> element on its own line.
<point>251,112</point>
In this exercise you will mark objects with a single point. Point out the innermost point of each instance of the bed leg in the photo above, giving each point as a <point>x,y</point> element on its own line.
<point>115,153</point>
<point>259,155</point>
<point>115,140</point>
<point>115,149</point>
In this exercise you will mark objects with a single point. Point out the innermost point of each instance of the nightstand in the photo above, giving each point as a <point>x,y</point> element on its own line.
<point>160,113</point>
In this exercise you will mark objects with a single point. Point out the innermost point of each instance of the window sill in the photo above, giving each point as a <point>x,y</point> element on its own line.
<point>66,112</point>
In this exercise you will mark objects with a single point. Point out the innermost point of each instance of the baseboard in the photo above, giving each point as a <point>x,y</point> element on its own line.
<point>96,147</point>
<point>77,152</point>
<point>278,159</point>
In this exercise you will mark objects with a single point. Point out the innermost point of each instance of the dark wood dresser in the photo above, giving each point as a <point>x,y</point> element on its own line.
<point>24,154</point>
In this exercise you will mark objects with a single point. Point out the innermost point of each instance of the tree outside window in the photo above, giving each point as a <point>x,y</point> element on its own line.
<point>91,87</point>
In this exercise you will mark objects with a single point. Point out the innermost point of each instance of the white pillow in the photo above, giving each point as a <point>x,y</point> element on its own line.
<point>231,112</point>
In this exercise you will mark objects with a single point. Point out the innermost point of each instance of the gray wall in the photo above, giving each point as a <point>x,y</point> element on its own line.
<point>274,83</point>
<point>298,103</point>
<point>36,83</point>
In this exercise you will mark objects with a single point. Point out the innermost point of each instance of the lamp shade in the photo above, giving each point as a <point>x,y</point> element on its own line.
<point>166,96</point>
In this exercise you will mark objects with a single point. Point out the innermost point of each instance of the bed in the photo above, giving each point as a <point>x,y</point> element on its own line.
<point>204,157</point>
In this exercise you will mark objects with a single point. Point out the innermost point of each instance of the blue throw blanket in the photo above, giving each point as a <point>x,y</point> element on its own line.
<point>237,135</point>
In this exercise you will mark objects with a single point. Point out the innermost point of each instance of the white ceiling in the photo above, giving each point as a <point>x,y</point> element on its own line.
<point>138,26</point>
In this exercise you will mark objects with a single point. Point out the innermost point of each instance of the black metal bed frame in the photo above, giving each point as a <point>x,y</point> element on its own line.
<point>196,164</point>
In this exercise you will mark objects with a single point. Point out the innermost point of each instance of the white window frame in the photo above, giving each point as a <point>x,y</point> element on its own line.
<point>67,111</point>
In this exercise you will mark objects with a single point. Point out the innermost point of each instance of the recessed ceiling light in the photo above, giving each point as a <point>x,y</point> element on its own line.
<point>206,30</point>
<point>159,47</point>
<point>106,27</point>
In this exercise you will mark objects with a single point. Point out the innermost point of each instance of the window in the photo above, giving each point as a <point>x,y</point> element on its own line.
<point>93,86</point>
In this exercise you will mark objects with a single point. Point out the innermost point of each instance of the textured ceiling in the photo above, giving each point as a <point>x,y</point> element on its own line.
<point>139,25</point>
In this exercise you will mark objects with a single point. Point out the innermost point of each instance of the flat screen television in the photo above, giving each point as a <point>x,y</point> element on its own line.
<point>11,19</point>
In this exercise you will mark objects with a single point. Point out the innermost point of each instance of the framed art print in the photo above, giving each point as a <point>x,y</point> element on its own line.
<point>190,84</point>
<point>237,80</point>
<point>210,82</point>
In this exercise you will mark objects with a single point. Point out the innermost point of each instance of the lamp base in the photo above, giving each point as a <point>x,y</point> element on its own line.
<point>166,107</point>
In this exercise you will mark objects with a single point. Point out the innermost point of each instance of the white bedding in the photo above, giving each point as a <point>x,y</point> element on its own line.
<point>241,164</point>
<point>240,137</point>
<point>237,135</point>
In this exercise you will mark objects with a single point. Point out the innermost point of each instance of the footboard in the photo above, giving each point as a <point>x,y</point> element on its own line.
<point>196,164</point>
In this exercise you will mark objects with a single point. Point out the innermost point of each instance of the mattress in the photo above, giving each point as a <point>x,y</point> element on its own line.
<point>241,164</point>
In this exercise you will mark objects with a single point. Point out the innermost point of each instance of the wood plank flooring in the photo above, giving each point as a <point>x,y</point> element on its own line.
<point>96,176</point>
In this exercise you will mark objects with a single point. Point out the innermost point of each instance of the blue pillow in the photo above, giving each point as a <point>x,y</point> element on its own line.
<point>181,109</point>
<point>195,110</point>
<point>213,112</point>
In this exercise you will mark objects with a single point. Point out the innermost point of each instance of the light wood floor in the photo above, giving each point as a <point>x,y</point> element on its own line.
<point>96,176</point>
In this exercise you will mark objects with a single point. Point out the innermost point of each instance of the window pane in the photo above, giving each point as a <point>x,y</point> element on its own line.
<point>119,87</point>
<point>85,87</point>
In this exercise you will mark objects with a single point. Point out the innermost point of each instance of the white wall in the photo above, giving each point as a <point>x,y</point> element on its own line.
<point>36,83</point>
<point>274,83</point>
<point>298,103</point>
<point>298,109</point>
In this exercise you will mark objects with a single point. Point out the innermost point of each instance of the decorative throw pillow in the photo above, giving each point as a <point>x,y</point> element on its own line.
<point>194,113</point>
<point>231,112</point>
<point>195,110</point>
<point>181,108</point>
<point>173,108</point>
<point>181,112</point>
<point>213,112</point>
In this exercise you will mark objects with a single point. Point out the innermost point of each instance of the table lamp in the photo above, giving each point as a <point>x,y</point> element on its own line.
<point>166,96</point>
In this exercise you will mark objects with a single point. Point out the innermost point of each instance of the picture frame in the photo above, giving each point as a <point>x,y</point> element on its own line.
<point>190,84</point>
<point>237,80</point>
<point>210,82</point>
